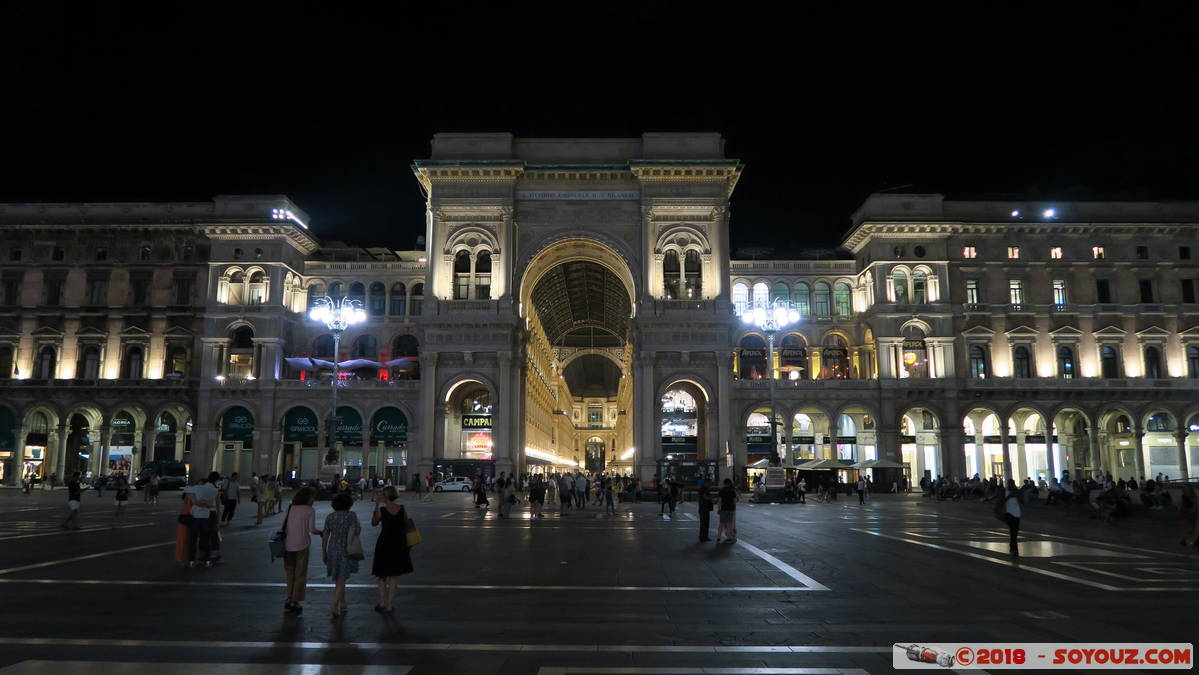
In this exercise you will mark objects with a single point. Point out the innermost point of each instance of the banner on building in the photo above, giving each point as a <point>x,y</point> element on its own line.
<point>390,427</point>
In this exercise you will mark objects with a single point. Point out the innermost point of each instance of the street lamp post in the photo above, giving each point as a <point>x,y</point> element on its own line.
<point>337,315</point>
<point>771,321</point>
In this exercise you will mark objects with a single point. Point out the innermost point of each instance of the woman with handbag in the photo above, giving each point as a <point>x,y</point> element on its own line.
<point>298,527</point>
<point>341,546</point>
<point>391,549</point>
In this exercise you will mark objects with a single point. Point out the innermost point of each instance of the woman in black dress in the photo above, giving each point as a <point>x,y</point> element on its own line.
<point>391,549</point>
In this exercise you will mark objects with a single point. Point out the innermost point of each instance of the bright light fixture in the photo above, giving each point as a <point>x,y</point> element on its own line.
<point>627,454</point>
<point>1016,213</point>
<point>1049,213</point>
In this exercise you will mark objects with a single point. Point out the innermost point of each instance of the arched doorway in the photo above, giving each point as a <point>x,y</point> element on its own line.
<point>469,431</point>
<point>389,438</point>
<point>348,436</point>
<point>577,296</point>
<point>122,439</point>
<point>984,438</point>
<point>236,444</point>
<point>301,438</point>
<point>920,444</point>
<point>594,452</point>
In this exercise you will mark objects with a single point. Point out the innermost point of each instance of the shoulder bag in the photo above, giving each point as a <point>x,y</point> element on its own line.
<point>279,539</point>
<point>412,535</point>
<point>354,543</point>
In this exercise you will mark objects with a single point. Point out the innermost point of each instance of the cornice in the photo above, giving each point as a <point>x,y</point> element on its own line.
<point>908,229</point>
<point>296,236</point>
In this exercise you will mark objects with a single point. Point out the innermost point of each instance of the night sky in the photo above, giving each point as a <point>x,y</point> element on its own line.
<point>329,104</point>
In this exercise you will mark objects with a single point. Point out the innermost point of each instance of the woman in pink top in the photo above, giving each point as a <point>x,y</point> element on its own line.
<point>298,527</point>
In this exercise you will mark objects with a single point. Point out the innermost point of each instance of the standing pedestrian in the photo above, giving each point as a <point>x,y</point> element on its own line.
<point>272,497</point>
<point>231,495</point>
<point>802,490</point>
<point>565,493</point>
<point>261,499</point>
<point>704,501</point>
<point>481,500</point>
<point>391,548</point>
<point>340,527</point>
<point>428,496</point>
<point>728,514</point>
<point>537,497</point>
<point>580,490</point>
<point>1011,506</point>
<point>73,494</point>
<point>673,495</point>
<point>861,490</point>
<point>204,520</point>
<point>609,507</point>
<point>507,497</point>
<point>152,487</point>
<point>183,533</point>
<point>298,527</point>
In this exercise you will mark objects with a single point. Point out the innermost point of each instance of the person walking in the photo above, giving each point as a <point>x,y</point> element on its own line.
<point>120,499</point>
<point>672,495</point>
<point>298,527</point>
<point>272,494</point>
<point>609,507</point>
<point>152,487</point>
<point>74,492</point>
<point>728,514</point>
<point>1011,515</point>
<point>428,496</point>
<point>663,487</point>
<point>183,533</point>
<point>262,499</point>
<point>391,548</point>
<point>340,527</point>
<point>704,501</point>
<point>565,494</point>
<point>580,490</point>
<point>231,495</point>
<point>801,490</point>
<point>507,497</point>
<point>481,500</point>
<point>537,497</point>
<point>861,490</point>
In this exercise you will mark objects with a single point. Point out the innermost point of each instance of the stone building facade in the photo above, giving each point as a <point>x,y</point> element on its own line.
<point>574,304</point>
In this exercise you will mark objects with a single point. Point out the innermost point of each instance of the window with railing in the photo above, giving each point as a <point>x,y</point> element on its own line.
<point>1016,292</point>
<point>1059,292</point>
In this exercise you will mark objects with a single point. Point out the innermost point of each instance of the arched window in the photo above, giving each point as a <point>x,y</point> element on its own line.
<point>780,293</point>
<point>47,359</point>
<point>6,363</point>
<point>919,283</point>
<point>237,287</point>
<point>243,337</point>
<point>978,362</point>
<point>1153,363</point>
<point>692,275</point>
<point>914,354</point>
<point>1160,422</point>
<point>793,358</point>
<point>761,295</point>
<point>322,347</point>
<point>842,299</point>
<point>365,347</point>
<point>802,296</point>
<point>406,346</point>
<point>378,299</point>
<point>177,362</point>
<point>257,290</point>
<point>752,358</point>
<point>899,279</point>
<point>88,367</point>
<point>418,299</point>
<point>336,290</point>
<point>483,275</point>
<point>1109,361</point>
<point>1021,362</point>
<point>834,355</point>
<point>823,294</point>
<point>399,299</point>
<point>131,368</point>
<point>315,292</point>
<point>670,275</point>
<point>358,293</point>
<point>740,298</point>
<point>462,275</point>
<point>1065,362</point>
<point>1193,362</point>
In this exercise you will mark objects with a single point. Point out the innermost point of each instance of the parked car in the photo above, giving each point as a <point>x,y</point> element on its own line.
<point>171,475</point>
<point>455,484</point>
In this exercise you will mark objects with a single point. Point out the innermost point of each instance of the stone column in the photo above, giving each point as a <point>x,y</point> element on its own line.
<point>150,433</point>
<point>18,461</point>
<point>723,422</point>
<point>888,445</point>
<point>953,458</point>
<point>1049,445</point>
<point>1022,462</point>
<point>203,451</point>
<point>56,457</point>
<point>422,448</point>
<point>1138,437</point>
<point>1180,436</point>
<point>1098,450</point>
<point>1007,455</point>
<point>105,448</point>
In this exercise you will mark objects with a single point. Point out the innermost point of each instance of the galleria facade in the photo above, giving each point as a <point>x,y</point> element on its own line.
<point>574,303</point>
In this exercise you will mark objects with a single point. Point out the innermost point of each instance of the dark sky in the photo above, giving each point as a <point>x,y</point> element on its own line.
<point>329,102</point>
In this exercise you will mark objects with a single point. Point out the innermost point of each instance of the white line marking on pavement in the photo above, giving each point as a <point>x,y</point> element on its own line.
<point>790,571</point>
<point>88,667</point>
<point>1009,563</point>
<point>445,646</point>
<point>84,530</point>
<point>416,587</point>
<point>102,554</point>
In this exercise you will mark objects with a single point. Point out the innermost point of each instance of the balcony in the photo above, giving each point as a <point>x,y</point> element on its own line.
<point>323,385</point>
<point>467,307</point>
<point>160,384</point>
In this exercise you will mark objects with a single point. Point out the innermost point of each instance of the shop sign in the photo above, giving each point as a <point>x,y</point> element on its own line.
<point>907,439</point>
<point>349,426</point>
<point>1038,438</point>
<point>850,440</point>
<point>389,426</point>
<point>803,440</point>
<point>300,425</point>
<point>122,429</point>
<point>237,425</point>
<point>834,353</point>
<point>476,421</point>
<point>913,344</point>
<point>753,353</point>
<point>794,354</point>
<point>678,439</point>
<point>757,440</point>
